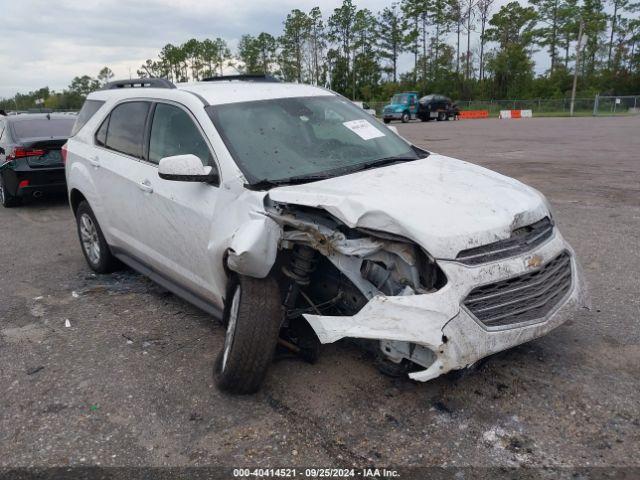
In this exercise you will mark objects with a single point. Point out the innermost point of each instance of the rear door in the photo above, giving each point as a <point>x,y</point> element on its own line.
<point>118,169</point>
<point>178,216</point>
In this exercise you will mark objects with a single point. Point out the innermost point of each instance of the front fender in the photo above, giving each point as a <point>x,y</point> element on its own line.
<point>254,246</point>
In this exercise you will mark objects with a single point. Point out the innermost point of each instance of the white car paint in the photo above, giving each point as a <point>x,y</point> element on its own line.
<point>441,203</point>
<point>184,231</point>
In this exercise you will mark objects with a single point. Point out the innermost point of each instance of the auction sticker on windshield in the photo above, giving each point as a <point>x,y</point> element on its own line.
<point>363,129</point>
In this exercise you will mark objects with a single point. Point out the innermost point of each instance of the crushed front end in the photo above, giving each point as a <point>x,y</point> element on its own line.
<point>426,315</point>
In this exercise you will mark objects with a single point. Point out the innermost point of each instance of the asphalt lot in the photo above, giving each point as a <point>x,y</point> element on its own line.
<point>129,383</point>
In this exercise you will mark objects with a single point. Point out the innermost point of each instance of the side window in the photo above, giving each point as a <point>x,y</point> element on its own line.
<point>125,130</point>
<point>101,134</point>
<point>173,132</point>
<point>87,111</point>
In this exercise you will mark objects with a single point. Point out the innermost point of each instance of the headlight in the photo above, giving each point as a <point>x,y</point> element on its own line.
<point>401,264</point>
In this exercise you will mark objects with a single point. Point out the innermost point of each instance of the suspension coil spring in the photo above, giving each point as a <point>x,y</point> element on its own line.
<point>303,263</point>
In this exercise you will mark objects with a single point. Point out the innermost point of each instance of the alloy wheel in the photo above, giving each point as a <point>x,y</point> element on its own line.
<point>89,238</point>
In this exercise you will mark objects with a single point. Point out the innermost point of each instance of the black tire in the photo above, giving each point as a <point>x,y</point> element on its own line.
<point>387,120</point>
<point>405,117</point>
<point>8,200</point>
<point>253,315</point>
<point>441,116</point>
<point>100,259</point>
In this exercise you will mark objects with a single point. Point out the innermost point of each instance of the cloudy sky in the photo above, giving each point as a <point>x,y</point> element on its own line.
<point>48,42</point>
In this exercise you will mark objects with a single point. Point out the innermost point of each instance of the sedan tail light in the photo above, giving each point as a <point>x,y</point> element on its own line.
<point>20,152</point>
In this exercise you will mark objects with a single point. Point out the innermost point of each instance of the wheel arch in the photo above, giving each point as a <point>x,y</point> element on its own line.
<point>75,198</point>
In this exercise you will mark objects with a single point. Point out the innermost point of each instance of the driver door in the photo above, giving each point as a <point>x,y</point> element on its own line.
<point>178,216</point>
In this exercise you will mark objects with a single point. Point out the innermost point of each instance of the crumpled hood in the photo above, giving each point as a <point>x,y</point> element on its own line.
<point>443,204</point>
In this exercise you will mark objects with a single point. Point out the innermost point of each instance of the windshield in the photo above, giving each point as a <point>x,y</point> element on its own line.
<point>401,99</point>
<point>275,140</point>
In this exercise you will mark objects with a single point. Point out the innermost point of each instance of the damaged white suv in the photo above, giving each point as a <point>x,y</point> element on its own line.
<point>296,218</point>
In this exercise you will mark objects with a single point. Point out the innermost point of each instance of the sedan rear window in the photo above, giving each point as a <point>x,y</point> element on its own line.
<point>42,127</point>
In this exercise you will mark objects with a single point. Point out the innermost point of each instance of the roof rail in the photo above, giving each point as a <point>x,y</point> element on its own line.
<point>139,83</point>
<point>245,78</point>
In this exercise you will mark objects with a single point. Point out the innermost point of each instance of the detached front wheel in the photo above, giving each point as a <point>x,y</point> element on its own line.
<point>253,315</point>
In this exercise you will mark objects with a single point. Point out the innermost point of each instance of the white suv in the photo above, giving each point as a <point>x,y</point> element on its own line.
<point>296,218</point>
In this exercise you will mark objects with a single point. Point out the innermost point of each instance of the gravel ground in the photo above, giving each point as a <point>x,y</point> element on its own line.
<point>115,371</point>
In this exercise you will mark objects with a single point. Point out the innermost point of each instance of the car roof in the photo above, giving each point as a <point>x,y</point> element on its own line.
<point>217,93</point>
<point>223,92</point>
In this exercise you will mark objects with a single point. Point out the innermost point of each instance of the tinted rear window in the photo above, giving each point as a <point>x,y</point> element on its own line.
<point>126,128</point>
<point>88,110</point>
<point>41,127</point>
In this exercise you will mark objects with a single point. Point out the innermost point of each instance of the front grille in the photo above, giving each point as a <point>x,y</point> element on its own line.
<point>522,299</point>
<point>521,240</point>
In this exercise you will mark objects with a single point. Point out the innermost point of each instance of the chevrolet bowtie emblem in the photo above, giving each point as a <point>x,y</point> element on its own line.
<point>534,261</point>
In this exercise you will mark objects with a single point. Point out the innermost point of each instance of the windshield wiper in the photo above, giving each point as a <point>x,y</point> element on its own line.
<point>382,162</point>
<point>266,184</point>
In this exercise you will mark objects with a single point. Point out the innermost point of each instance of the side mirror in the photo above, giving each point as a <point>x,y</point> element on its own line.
<point>186,168</point>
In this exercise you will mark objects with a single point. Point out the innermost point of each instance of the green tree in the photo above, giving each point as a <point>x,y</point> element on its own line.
<point>341,26</point>
<point>366,67</point>
<point>249,54</point>
<point>418,16</point>
<point>595,25</point>
<point>568,22</point>
<point>267,47</point>
<point>84,85</point>
<point>105,76</point>
<point>484,9</point>
<point>391,37</point>
<point>619,6</point>
<point>317,43</point>
<point>513,24</point>
<point>512,68</point>
<point>192,51</point>
<point>214,55</point>
<point>297,27</point>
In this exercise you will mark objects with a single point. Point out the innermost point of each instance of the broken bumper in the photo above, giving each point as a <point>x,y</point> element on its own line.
<point>438,322</point>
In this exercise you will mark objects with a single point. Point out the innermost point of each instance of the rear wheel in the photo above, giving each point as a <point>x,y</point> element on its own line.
<point>405,117</point>
<point>6,198</point>
<point>441,116</point>
<point>94,246</point>
<point>253,315</point>
<point>387,120</point>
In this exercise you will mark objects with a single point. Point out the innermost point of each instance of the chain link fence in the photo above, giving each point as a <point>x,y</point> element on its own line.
<point>552,107</point>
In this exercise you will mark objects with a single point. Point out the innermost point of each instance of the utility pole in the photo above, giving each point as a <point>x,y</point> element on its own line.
<point>575,72</point>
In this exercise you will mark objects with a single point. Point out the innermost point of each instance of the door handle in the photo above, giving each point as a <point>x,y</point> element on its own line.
<point>145,186</point>
<point>95,161</point>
